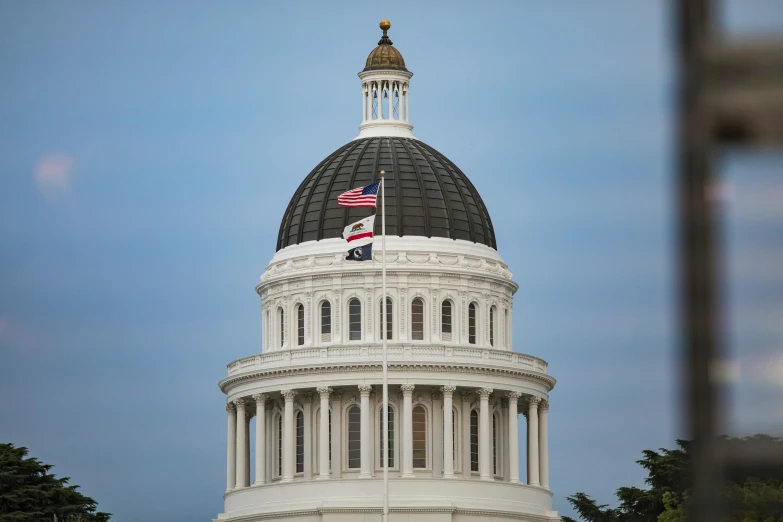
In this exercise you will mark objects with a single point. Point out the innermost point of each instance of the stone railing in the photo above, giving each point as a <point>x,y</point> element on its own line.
<point>396,354</point>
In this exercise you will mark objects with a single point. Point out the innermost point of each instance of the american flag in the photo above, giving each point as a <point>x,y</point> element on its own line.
<point>359,197</point>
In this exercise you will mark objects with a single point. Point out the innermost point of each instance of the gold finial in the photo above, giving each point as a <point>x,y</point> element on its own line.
<point>385,25</point>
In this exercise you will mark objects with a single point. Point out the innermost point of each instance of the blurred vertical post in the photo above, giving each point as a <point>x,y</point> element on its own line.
<point>729,94</point>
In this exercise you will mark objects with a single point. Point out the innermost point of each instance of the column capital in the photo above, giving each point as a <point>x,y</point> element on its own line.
<point>260,398</point>
<point>230,408</point>
<point>365,389</point>
<point>533,402</point>
<point>407,389</point>
<point>448,390</point>
<point>435,395</point>
<point>289,395</point>
<point>307,397</point>
<point>239,403</point>
<point>484,393</point>
<point>544,406</point>
<point>324,390</point>
<point>337,396</point>
<point>466,397</point>
<point>513,396</point>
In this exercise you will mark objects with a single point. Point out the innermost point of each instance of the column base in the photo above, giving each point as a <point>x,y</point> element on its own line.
<point>536,484</point>
<point>408,475</point>
<point>287,479</point>
<point>364,476</point>
<point>322,477</point>
<point>259,483</point>
<point>514,481</point>
<point>451,476</point>
<point>489,479</point>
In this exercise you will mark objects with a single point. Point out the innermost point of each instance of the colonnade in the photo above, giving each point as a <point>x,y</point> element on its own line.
<point>375,89</point>
<point>330,461</point>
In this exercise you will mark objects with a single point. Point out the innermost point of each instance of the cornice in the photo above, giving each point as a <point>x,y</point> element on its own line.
<point>411,366</point>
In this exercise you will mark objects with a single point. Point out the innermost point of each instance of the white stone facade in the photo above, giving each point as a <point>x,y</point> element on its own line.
<point>317,451</point>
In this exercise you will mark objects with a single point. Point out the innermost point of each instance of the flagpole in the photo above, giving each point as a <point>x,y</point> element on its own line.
<point>384,331</point>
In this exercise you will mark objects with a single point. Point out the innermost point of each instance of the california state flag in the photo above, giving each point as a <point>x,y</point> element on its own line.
<point>359,230</point>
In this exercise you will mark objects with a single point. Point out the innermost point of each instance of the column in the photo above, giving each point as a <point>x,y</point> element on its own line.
<point>369,101</point>
<point>437,434</point>
<point>231,459</point>
<point>407,95</point>
<point>248,416</point>
<point>364,390</point>
<point>289,437</point>
<point>364,102</point>
<point>448,435</point>
<point>260,399</point>
<point>241,460</point>
<point>323,434</point>
<point>407,430</point>
<point>543,443</point>
<point>513,437</point>
<point>307,413</point>
<point>485,438</point>
<point>532,443</point>
<point>337,434</point>
<point>391,100</point>
<point>466,471</point>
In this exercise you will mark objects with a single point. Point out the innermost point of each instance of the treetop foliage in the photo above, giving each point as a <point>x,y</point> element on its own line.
<point>667,497</point>
<point>29,493</point>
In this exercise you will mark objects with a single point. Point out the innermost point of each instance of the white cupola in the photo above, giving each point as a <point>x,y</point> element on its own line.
<point>385,88</point>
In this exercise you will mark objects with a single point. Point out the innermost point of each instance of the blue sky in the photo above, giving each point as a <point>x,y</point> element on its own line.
<point>148,150</point>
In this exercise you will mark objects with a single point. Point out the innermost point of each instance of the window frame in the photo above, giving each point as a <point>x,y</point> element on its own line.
<point>360,323</point>
<point>389,318</point>
<point>423,318</point>
<point>281,325</point>
<point>452,323</point>
<point>300,324</point>
<point>394,442</point>
<point>473,322</point>
<point>474,413</point>
<point>426,433</point>
<point>358,441</point>
<point>299,414</point>
<point>321,332</point>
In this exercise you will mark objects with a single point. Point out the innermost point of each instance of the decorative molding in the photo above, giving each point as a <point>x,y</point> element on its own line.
<point>407,389</point>
<point>448,390</point>
<point>239,403</point>
<point>512,395</point>
<point>337,396</point>
<point>324,390</point>
<point>435,395</point>
<point>307,397</point>
<point>260,398</point>
<point>533,401</point>
<point>365,389</point>
<point>288,395</point>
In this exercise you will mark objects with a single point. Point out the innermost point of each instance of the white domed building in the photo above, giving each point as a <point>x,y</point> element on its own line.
<point>456,388</point>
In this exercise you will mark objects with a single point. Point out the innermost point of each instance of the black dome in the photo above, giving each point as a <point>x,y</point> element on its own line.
<point>426,195</point>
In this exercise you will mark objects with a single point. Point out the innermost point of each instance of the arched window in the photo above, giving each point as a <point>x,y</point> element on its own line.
<point>391,437</point>
<point>317,438</point>
<point>417,320</point>
<point>279,445</point>
<point>506,329</point>
<point>494,443</point>
<point>445,320</point>
<point>326,322</point>
<point>474,440</point>
<point>300,324</point>
<point>299,442</point>
<point>492,326</point>
<point>354,320</point>
<point>281,316</point>
<point>354,437</point>
<point>419,437</point>
<point>389,322</point>
<point>268,331</point>
<point>472,323</point>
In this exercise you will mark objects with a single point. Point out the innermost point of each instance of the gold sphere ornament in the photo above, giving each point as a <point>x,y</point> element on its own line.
<point>385,25</point>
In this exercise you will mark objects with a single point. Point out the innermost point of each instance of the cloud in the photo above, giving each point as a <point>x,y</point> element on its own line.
<point>53,176</point>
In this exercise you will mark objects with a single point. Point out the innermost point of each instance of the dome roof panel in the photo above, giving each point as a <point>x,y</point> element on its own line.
<point>426,195</point>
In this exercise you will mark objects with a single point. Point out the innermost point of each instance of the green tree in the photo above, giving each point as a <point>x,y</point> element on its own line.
<point>29,493</point>
<point>666,498</point>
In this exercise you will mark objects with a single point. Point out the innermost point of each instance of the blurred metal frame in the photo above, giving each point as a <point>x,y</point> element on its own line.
<point>730,94</point>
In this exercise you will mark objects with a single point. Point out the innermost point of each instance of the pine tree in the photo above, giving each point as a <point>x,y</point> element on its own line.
<point>29,493</point>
